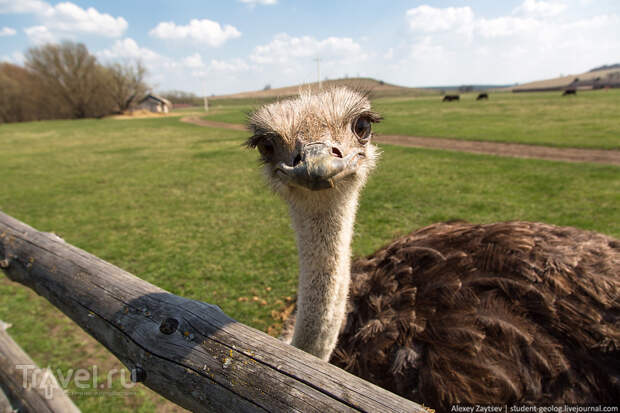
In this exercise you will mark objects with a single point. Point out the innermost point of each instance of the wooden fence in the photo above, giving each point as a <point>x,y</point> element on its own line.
<point>21,389</point>
<point>188,351</point>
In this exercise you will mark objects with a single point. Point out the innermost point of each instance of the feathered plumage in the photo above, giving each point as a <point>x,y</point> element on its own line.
<point>505,312</point>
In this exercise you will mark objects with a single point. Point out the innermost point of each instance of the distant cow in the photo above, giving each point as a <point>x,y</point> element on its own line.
<point>450,98</point>
<point>569,92</point>
<point>482,96</point>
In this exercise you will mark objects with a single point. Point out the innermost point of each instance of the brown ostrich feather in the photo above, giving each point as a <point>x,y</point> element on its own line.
<point>504,312</point>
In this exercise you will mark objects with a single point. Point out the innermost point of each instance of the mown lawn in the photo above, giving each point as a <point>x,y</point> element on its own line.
<point>588,120</point>
<point>185,208</point>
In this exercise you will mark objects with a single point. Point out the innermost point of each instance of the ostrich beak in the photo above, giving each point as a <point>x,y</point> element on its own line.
<point>321,165</point>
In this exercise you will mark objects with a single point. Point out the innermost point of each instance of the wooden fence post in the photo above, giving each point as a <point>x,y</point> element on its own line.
<point>25,387</point>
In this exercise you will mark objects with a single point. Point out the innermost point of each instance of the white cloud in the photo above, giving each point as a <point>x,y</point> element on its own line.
<point>540,8</point>
<point>283,48</point>
<point>16,58</point>
<point>530,17</point>
<point>285,60</point>
<point>506,26</point>
<point>128,49</point>
<point>229,66</point>
<point>160,69</point>
<point>426,49</point>
<point>262,2</point>
<point>428,19</point>
<point>23,6</point>
<point>39,35</point>
<point>222,68</point>
<point>194,61</point>
<point>537,39</point>
<point>66,19</point>
<point>202,31</point>
<point>594,23</point>
<point>7,31</point>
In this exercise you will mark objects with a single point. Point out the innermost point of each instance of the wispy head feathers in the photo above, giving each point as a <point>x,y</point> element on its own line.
<point>310,114</point>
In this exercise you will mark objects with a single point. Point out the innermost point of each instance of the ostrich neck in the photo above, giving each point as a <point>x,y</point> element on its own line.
<point>324,243</point>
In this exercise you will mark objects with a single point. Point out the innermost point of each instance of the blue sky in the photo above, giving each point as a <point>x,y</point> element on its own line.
<point>227,46</point>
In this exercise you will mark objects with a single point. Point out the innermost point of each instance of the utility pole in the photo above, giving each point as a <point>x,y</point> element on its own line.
<point>204,95</point>
<point>318,71</point>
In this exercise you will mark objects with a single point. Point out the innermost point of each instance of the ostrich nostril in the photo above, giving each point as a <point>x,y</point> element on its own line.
<point>297,159</point>
<point>336,152</point>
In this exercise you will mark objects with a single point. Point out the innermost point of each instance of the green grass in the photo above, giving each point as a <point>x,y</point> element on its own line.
<point>234,110</point>
<point>588,120</point>
<point>230,112</point>
<point>185,208</point>
<point>189,109</point>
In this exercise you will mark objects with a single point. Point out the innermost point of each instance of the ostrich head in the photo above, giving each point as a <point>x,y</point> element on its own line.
<point>316,147</point>
<point>317,155</point>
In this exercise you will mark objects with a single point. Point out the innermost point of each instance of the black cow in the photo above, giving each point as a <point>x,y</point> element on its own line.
<point>482,96</point>
<point>450,98</point>
<point>570,92</point>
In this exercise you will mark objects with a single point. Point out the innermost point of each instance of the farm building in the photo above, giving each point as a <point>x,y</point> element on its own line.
<point>155,103</point>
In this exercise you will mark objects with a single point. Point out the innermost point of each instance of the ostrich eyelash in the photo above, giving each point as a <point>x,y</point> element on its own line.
<point>254,140</point>
<point>372,116</point>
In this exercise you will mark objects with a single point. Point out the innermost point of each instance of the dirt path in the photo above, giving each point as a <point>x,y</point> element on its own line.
<point>516,150</point>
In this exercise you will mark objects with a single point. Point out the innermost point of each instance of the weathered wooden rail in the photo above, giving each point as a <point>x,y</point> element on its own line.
<point>22,390</point>
<point>188,351</point>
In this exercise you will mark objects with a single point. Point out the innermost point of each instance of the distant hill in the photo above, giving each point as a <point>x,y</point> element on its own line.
<point>605,67</point>
<point>377,88</point>
<point>468,88</point>
<point>594,79</point>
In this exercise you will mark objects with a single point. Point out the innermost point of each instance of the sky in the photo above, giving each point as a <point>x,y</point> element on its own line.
<point>227,46</point>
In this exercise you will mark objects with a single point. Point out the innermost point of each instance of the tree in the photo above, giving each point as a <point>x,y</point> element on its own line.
<point>181,97</point>
<point>20,95</point>
<point>66,81</point>
<point>73,78</point>
<point>126,84</point>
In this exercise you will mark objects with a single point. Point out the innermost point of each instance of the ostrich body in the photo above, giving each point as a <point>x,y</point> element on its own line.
<point>451,313</point>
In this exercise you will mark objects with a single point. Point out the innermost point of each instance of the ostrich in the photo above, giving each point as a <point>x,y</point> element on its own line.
<point>453,312</point>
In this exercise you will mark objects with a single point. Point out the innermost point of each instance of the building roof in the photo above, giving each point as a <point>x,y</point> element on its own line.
<point>158,98</point>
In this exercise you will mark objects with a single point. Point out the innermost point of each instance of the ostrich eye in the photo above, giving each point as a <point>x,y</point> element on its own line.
<point>265,147</point>
<point>361,128</point>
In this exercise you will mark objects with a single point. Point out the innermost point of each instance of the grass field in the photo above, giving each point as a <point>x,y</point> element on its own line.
<point>185,208</point>
<point>588,120</point>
